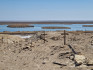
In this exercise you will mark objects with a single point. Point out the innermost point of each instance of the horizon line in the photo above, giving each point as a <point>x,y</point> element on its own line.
<point>53,21</point>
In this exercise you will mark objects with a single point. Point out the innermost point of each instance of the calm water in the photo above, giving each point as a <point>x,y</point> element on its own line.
<point>37,27</point>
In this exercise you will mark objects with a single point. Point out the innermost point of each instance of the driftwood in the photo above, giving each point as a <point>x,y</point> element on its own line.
<point>72,49</point>
<point>59,64</point>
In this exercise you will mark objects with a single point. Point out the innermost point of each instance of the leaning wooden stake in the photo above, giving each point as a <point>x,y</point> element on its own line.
<point>44,36</point>
<point>2,39</point>
<point>64,38</point>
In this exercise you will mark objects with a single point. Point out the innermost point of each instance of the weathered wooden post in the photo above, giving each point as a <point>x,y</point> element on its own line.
<point>2,39</point>
<point>44,36</point>
<point>64,37</point>
<point>85,31</point>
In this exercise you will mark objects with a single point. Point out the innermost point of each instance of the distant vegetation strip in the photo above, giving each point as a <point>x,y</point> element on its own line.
<point>87,25</point>
<point>19,25</point>
<point>56,28</point>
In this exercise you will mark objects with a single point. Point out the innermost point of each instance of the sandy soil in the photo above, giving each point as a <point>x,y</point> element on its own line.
<point>33,54</point>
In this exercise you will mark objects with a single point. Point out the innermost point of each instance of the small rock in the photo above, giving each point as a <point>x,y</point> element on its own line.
<point>33,43</point>
<point>55,38</point>
<point>90,62</point>
<point>39,40</point>
<point>80,59</point>
<point>82,65</point>
<point>71,57</point>
<point>28,46</point>
<point>43,63</point>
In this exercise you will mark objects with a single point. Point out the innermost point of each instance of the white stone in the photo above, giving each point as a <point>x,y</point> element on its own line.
<point>80,59</point>
<point>90,61</point>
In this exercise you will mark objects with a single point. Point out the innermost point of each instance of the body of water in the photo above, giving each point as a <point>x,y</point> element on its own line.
<point>38,27</point>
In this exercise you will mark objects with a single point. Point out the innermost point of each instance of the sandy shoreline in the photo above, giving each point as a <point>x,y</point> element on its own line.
<point>34,32</point>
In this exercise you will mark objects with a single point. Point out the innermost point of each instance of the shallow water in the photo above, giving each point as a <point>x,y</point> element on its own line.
<point>38,27</point>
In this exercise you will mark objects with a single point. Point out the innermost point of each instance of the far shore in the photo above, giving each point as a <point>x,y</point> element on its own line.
<point>34,32</point>
<point>48,22</point>
<point>18,32</point>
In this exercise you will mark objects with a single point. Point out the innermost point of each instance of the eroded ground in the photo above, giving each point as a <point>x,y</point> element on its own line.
<point>34,54</point>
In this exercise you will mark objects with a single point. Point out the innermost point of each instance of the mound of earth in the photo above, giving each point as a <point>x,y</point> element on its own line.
<point>9,39</point>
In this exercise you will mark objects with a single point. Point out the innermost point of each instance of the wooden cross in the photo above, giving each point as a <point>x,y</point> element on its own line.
<point>44,36</point>
<point>64,36</point>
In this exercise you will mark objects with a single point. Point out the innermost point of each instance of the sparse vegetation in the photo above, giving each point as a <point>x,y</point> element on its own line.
<point>87,25</point>
<point>56,27</point>
<point>19,25</point>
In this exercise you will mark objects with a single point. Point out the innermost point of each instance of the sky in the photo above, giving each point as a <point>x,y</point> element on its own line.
<point>46,10</point>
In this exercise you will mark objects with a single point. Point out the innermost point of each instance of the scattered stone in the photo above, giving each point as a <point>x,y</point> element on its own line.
<point>33,44</point>
<point>90,63</point>
<point>64,55</point>
<point>39,40</point>
<point>71,57</point>
<point>43,63</point>
<point>82,65</point>
<point>55,38</point>
<point>26,48</point>
<point>80,59</point>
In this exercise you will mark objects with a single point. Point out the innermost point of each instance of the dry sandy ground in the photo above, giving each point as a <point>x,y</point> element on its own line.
<point>33,54</point>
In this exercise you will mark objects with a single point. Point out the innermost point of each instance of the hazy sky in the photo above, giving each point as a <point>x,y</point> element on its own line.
<point>43,10</point>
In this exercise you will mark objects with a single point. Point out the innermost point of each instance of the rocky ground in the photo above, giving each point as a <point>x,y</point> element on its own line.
<point>47,52</point>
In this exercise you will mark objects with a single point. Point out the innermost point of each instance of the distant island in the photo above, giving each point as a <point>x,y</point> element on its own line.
<point>19,25</point>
